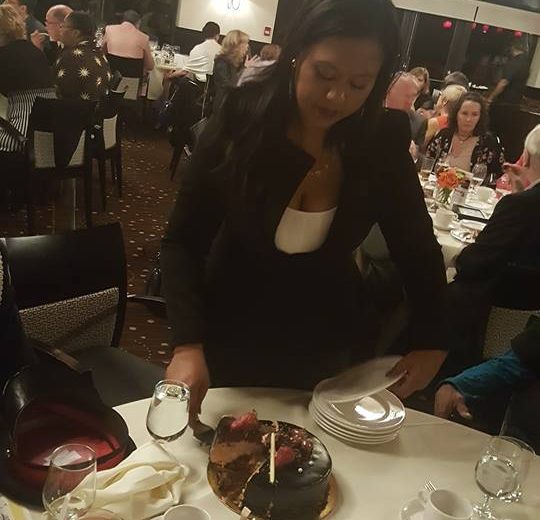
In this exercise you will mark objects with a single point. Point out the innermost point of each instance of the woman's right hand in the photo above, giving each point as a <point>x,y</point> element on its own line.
<point>188,365</point>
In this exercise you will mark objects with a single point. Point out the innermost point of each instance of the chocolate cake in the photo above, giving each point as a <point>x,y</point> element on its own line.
<point>240,455</point>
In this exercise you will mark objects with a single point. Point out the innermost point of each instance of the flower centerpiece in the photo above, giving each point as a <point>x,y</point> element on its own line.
<point>447,180</point>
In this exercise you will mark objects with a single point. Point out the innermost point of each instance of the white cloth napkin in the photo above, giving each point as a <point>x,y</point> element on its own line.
<point>144,485</point>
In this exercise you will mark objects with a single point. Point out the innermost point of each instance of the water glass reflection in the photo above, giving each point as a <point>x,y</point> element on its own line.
<point>70,488</point>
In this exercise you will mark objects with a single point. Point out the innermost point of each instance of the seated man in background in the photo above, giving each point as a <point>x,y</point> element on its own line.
<point>456,78</point>
<point>401,96</point>
<point>81,71</point>
<point>510,243</point>
<point>51,45</point>
<point>202,56</point>
<point>126,41</point>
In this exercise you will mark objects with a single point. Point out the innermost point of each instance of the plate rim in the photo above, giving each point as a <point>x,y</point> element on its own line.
<point>388,383</point>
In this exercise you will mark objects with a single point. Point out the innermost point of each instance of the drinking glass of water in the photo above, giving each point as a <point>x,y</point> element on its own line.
<point>498,473</point>
<point>479,174</point>
<point>168,414</point>
<point>70,488</point>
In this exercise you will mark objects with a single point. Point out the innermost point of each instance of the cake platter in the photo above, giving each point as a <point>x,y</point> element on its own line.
<point>233,498</point>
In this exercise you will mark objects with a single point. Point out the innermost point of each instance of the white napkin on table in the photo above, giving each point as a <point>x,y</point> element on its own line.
<point>144,485</point>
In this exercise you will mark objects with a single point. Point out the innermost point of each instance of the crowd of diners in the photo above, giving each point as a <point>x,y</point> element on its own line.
<point>306,148</point>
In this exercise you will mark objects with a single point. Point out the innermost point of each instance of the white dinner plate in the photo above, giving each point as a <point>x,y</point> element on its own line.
<point>380,411</point>
<point>365,379</point>
<point>348,430</point>
<point>473,224</point>
<point>463,236</point>
<point>356,439</point>
<point>412,510</point>
<point>357,432</point>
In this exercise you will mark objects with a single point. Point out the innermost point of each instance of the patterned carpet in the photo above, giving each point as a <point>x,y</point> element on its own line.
<point>148,198</point>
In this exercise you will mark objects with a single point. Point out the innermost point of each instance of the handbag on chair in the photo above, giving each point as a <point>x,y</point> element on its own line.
<point>46,405</point>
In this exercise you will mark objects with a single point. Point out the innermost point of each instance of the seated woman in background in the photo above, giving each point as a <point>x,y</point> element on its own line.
<point>449,96</point>
<point>25,75</point>
<point>81,71</point>
<point>269,55</point>
<point>466,141</point>
<point>23,66</point>
<point>229,64</point>
<point>421,75</point>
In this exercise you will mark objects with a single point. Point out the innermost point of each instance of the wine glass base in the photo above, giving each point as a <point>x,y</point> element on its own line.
<point>482,513</point>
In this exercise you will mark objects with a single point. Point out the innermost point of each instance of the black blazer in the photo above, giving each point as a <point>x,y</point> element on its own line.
<point>511,239</point>
<point>250,295</point>
<point>225,76</point>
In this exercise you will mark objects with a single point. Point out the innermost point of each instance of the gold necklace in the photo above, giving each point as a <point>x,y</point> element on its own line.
<point>324,166</point>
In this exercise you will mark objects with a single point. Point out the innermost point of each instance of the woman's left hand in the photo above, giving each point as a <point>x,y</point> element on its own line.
<point>419,368</point>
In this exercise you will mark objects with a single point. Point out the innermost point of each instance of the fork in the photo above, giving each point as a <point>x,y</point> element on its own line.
<point>429,486</point>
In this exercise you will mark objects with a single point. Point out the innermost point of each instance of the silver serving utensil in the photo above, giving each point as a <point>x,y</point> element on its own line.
<point>203,433</point>
<point>429,486</point>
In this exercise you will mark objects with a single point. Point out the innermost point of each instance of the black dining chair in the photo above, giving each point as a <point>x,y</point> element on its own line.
<point>187,110</point>
<point>59,139</point>
<point>71,291</point>
<point>132,71</point>
<point>107,142</point>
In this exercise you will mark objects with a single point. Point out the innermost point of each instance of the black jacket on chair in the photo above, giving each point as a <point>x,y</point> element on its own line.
<point>227,285</point>
<point>15,353</point>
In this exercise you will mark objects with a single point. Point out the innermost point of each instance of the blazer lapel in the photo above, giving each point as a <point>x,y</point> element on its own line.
<point>285,168</point>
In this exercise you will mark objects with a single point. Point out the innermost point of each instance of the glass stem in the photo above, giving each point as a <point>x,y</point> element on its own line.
<point>486,505</point>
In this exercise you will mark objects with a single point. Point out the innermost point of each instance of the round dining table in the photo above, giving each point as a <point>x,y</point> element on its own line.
<point>373,482</point>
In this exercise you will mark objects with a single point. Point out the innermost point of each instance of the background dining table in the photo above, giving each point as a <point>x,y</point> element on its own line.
<point>374,483</point>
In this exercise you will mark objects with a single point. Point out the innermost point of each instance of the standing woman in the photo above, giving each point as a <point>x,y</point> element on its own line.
<point>466,141</point>
<point>229,64</point>
<point>287,181</point>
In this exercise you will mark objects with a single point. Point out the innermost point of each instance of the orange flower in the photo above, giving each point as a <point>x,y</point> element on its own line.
<point>448,179</point>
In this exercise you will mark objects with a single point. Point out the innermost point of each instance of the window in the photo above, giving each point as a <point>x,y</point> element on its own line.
<point>432,43</point>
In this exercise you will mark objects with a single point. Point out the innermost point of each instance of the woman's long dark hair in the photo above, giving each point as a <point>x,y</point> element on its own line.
<point>482,127</point>
<point>259,112</point>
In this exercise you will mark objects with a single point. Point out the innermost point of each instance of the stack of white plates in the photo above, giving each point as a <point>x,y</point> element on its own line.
<point>356,408</point>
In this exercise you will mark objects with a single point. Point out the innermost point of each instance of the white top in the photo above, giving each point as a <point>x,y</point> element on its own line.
<point>303,231</point>
<point>201,58</point>
<point>374,482</point>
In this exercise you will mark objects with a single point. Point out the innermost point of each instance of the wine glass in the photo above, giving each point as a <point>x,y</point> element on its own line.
<point>168,414</point>
<point>70,487</point>
<point>479,174</point>
<point>497,473</point>
<point>527,455</point>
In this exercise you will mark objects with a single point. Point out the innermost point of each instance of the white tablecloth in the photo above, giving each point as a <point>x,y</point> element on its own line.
<point>374,482</point>
<point>155,76</point>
